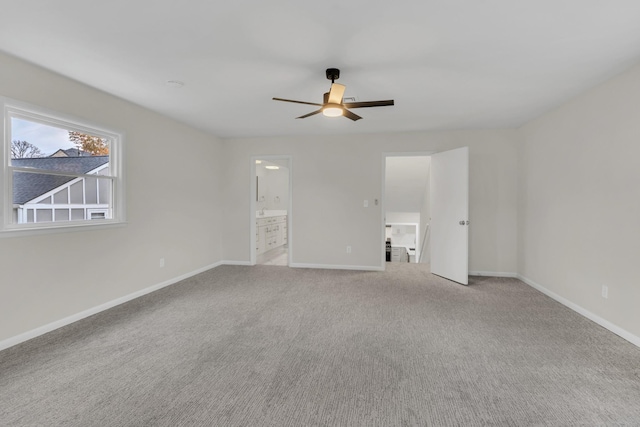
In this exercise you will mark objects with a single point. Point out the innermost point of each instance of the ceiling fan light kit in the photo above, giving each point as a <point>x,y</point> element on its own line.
<point>332,110</point>
<point>333,101</point>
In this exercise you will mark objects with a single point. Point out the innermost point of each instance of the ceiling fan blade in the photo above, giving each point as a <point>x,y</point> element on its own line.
<point>310,114</point>
<point>336,93</point>
<point>348,114</point>
<point>368,104</point>
<point>297,102</point>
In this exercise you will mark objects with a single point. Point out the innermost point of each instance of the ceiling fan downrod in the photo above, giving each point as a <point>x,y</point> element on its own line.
<point>333,74</point>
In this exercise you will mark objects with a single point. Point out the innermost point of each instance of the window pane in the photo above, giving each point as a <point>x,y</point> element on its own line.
<point>33,192</point>
<point>39,146</point>
<point>59,169</point>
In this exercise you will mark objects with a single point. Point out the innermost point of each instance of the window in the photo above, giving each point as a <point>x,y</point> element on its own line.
<point>58,172</point>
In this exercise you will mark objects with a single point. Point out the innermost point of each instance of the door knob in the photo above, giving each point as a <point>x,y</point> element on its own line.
<point>461,223</point>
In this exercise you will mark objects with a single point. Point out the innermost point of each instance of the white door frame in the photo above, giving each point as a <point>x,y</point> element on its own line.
<point>385,154</point>
<point>252,213</point>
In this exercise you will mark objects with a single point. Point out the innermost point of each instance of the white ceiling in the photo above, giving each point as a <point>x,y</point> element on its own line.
<point>454,64</point>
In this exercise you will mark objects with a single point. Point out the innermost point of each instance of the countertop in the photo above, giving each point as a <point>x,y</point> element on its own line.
<point>270,213</point>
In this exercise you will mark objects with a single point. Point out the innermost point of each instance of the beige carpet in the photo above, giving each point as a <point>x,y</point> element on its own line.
<point>274,346</point>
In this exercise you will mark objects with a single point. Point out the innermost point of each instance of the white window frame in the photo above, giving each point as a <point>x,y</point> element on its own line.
<point>22,110</point>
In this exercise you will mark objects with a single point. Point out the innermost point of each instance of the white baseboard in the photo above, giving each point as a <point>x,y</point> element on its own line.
<point>493,274</point>
<point>10,342</point>
<point>337,267</point>
<point>236,263</point>
<point>633,339</point>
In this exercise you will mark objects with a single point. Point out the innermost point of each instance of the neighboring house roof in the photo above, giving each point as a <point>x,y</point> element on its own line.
<point>70,152</point>
<point>28,186</point>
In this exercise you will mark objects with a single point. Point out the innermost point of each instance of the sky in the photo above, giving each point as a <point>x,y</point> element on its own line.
<point>47,138</point>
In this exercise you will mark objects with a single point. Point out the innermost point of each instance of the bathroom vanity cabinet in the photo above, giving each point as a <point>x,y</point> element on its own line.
<point>271,233</point>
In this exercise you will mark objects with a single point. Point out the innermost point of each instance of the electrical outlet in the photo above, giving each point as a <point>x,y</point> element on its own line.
<point>161,262</point>
<point>605,291</point>
<point>366,203</point>
<point>348,249</point>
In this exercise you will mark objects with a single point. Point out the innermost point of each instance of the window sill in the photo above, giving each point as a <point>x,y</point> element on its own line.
<point>67,228</point>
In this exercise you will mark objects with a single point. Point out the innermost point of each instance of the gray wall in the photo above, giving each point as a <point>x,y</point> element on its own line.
<point>406,179</point>
<point>332,176</point>
<point>579,201</point>
<point>173,211</point>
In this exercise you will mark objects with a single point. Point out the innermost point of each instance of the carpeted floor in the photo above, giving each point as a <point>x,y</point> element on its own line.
<point>274,346</point>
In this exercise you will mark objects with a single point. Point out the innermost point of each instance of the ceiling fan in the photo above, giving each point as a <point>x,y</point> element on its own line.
<point>332,105</point>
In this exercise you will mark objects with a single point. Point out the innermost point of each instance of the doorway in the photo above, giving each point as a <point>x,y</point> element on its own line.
<point>443,215</point>
<point>406,208</point>
<point>271,210</point>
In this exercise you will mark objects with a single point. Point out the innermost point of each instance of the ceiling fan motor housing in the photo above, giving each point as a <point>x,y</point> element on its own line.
<point>333,74</point>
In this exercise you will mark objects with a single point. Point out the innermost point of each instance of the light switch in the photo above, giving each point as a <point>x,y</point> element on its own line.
<point>366,203</point>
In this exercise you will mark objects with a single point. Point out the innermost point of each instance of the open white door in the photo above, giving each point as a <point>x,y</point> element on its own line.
<point>450,214</point>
